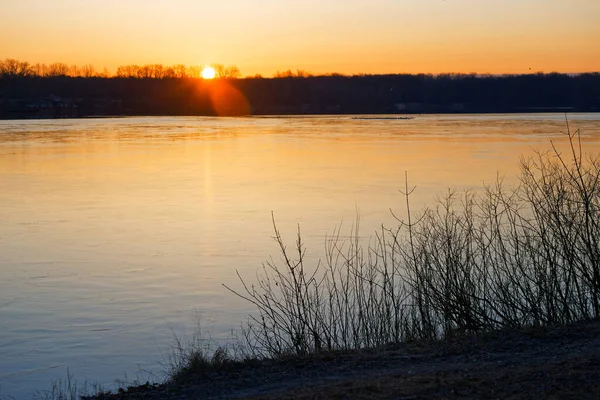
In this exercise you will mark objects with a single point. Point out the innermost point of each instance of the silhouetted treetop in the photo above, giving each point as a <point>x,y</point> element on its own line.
<point>155,89</point>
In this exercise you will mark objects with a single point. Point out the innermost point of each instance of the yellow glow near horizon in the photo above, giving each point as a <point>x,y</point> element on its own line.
<point>318,36</point>
<point>208,72</point>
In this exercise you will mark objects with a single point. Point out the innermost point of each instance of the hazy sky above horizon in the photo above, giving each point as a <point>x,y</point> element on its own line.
<point>320,36</point>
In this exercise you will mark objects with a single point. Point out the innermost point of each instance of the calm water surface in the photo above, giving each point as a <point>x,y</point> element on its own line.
<point>117,233</point>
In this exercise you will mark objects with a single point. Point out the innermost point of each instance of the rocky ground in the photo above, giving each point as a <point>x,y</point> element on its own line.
<point>543,363</point>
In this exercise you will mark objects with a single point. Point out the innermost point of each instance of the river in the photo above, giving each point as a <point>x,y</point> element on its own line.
<point>117,234</point>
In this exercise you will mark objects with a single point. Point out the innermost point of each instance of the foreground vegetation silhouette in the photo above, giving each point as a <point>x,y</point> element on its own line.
<point>478,261</point>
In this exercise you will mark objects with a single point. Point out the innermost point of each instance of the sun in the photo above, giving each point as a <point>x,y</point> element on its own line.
<point>208,72</point>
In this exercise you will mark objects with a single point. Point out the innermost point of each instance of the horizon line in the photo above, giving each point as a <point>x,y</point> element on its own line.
<point>230,71</point>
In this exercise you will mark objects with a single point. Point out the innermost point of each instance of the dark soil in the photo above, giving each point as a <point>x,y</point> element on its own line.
<point>543,363</point>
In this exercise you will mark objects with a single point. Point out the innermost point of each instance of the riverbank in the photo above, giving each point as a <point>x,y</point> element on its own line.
<point>550,362</point>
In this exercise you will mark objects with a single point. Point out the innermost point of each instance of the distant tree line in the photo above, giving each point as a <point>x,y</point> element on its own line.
<point>179,71</point>
<point>59,90</point>
<point>424,93</point>
<point>15,68</point>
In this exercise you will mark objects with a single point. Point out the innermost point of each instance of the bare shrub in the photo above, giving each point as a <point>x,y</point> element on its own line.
<point>501,257</point>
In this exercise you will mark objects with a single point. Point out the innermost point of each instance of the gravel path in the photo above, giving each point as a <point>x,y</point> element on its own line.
<point>562,362</point>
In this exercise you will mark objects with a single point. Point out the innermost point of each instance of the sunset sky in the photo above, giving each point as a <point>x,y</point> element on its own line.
<point>320,36</point>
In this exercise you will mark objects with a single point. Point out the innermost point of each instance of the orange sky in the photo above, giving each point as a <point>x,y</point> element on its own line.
<point>351,36</point>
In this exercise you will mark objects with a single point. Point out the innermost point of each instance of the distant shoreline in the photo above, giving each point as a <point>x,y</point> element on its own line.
<point>65,97</point>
